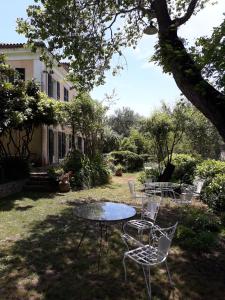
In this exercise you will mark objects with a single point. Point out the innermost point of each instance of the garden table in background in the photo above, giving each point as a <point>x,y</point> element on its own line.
<point>103,214</point>
<point>165,188</point>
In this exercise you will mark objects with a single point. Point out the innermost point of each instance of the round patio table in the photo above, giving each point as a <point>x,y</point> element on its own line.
<point>104,214</point>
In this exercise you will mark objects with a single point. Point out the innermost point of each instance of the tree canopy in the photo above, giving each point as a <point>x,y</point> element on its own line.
<point>123,120</point>
<point>87,117</point>
<point>89,33</point>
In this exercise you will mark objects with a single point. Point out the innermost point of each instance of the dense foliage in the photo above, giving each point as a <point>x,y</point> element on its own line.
<point>87,117</point>
<point>209,53</point>
<point>123,120</point>
<point>213,192</point>
<point>129,160</point>
<point>198,229</point>
<point>185,166</point>
<point>210,168</point>
<point>165,128</point>
<point>93,31</point>
<point>86,172</point>
<point>23,108</point>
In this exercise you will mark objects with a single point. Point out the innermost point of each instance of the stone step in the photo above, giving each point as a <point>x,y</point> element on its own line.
<point>40,188</point>
<point>41,181</point>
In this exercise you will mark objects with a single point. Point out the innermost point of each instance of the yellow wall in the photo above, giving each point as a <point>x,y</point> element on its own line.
<point>27,64</point>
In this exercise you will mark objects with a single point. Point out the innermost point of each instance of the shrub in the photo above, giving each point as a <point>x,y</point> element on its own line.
<point>185,166</point>
<point>86,172</point>
<point>213,193</point>
<point>148,173</point>
<point>55,172</point>
<point>198,241</point>
<point>14,168</point>
<point>129,160</point>
<point>209,168</point>
<point>198,229</point>
<point>145,157</point>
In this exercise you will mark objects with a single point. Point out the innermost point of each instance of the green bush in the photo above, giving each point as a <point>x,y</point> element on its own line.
<point>73,161</point>
<point>185,166</point>
<point>209,168</point>
<point>198,241</point>
<point>55,172</point>
<point>148,173</point>
<point>129,160</point>
<point>145,157</point>
<point>198,229</point>
<point>13,168</point>
<point>86,172</point>
<point>213,193</point>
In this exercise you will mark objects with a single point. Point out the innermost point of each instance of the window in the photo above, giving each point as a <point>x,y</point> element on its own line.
<point>58,90</point>
<point>66,94</point>
<point>50,86</point>
<point>21,73</point>
<point>61,144</point>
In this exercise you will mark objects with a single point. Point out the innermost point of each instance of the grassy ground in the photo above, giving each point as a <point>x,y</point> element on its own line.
<point>38,258</point>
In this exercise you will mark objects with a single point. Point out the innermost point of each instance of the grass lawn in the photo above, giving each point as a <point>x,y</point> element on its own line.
<point>38,259</point>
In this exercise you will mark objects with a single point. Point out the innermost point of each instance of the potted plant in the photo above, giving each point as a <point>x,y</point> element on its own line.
<point>64,182</point>
<point>118,170</point>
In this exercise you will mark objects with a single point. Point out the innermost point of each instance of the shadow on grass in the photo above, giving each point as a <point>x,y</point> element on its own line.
<point>8,203</point>
<point>46,265</point>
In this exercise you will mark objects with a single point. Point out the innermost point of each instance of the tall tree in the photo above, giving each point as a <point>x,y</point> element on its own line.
<point>165,128</point>
<point>122,121</point>
<point>87,117</point>
<point>90,32</point>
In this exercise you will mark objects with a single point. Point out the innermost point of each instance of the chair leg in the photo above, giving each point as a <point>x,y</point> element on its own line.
<point>125,268</point>
<point>147,276</point>
<point>168,273</point>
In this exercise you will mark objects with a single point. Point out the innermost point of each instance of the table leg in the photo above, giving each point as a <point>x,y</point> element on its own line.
<point>100,245</point>
<point>82,238</point>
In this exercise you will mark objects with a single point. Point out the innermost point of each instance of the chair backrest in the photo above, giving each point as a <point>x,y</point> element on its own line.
<point>162,239</point>
<point>150,207</point>
<point>186,197</point>
<point>131,185</point>
<point>199,184</point>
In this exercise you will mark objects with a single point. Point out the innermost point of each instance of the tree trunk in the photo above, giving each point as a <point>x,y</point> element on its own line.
<point>176,60</point>
<point>190,81</point>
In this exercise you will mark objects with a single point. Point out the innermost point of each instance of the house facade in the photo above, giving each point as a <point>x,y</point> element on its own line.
<point>50,143</point>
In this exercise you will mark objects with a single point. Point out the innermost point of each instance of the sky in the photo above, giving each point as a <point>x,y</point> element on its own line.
<point>141,85</point>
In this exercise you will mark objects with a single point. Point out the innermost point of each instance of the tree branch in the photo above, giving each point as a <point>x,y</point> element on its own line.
<point>180,21</point>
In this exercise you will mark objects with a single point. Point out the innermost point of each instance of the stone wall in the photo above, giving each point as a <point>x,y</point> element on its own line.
<point>12,187</point>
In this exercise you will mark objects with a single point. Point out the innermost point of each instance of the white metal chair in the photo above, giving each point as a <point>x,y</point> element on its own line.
<point>198,187</point>
<point>152,254</point>
<point>132,189</point>
<point>186,195</point>
<point>149,211</point>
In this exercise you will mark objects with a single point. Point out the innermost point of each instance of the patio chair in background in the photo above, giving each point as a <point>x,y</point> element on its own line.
<point>152,254</point>
<point>198,184</point>
<point>134,194</point>
<point>186,196</point>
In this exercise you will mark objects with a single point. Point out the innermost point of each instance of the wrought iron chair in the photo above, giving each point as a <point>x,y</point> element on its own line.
<point>152,254</point>
<point>149,211</point>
